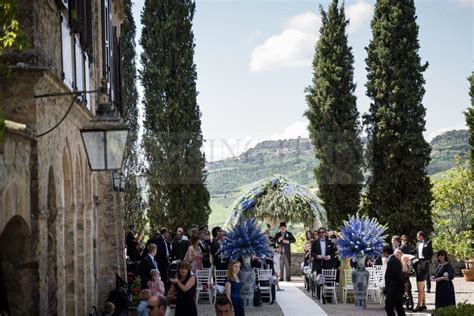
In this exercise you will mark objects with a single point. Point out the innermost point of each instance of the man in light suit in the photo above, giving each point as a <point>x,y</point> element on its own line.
<point>284,239</point>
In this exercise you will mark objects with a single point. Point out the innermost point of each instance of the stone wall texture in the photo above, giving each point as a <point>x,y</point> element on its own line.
<point>61,236</point>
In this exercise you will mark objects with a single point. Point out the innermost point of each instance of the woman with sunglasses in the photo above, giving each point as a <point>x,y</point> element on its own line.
<point>443,277</point>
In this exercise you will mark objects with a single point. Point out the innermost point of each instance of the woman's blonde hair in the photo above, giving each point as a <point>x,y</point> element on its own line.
<point>230,269</point>
<point>405,260</point>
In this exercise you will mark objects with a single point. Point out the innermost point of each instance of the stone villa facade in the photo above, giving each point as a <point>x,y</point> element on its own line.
<point>61,227</point>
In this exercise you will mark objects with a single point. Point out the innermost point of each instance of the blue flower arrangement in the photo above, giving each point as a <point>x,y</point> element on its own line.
<point>361,236</point>
<point>245,239</point>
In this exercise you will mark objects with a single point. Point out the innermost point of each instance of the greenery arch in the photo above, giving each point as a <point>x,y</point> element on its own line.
<point>278,198</point>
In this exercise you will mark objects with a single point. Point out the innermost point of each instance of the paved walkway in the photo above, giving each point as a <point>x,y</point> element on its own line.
<point>294,303</point>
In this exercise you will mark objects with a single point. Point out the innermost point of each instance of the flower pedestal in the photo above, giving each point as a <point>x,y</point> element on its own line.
<point>247,278</point>
<point>360,281</point>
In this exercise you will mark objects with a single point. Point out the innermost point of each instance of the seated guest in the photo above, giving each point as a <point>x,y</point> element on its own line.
<point>444,275</point>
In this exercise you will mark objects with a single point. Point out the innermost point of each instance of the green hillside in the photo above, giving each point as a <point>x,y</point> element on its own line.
<point>294,158</point>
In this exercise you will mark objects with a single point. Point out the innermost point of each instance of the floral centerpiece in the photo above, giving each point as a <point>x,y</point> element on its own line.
<point>361,237</point>
<point>242,241</point>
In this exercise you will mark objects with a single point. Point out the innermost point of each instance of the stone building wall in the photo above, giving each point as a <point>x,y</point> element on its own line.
<point>63,221</point>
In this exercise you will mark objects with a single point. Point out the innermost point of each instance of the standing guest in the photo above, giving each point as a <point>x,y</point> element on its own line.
<point>215,232</point>
<point>194,255</point>
<point>444,275</point>
<point>184,291</point>
<point>179,245</point>
<point>223,307</point>
<point>163,255</point>
<point>155,285</point>
<point>132,245</point>
<point>155,239</point>
<point>232,288</point>
<point>157,305</point>
<point>406,273</point>
<point>205,246</point>
<point>284,239</point>
<point>218,257</point>
<point>147,264</point>
<point>396,243</point>
<point>315,234</point>
<point>322,251</point>
<point>405,248</point>
<point>394,285</point>
<point>142,306</point>
<point>307,248</point>
<point>424,253</point>
<point>277,266</point>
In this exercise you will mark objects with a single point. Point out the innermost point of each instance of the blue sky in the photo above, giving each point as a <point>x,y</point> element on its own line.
<point>254,61</point>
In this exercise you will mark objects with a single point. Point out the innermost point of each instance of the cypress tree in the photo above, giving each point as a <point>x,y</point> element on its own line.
<point>470,121</point>
<point>399,189</point>
<point>333,119</point>
<point>173,136</point>
<point>133,208</point>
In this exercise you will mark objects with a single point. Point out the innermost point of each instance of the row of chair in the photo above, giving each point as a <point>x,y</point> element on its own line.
<point>210,283</point>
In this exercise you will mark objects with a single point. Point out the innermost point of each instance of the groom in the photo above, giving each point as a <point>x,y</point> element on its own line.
<point>284,238</point>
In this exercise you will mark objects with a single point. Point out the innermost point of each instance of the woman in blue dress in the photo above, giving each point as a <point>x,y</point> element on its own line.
<point>443,277</point>
<point>232,287</point>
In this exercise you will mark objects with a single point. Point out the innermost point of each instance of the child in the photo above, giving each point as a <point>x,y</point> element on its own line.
<point>142,307</point>
<point>155,285</point>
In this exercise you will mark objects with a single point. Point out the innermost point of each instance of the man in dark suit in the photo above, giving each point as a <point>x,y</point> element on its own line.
<point>284,239</point>
<point>323,252</point>
<point>132,245</point>
<point>163,255</point>
<point>217,257</point>
<point>205,246</point>
<point>179,246</point>
<point>147,264</point>
<point>394,285</point>
<point>424,253</point>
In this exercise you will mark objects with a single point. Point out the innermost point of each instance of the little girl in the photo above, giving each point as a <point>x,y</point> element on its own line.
<point>142,307</point>
<point>155,285</point>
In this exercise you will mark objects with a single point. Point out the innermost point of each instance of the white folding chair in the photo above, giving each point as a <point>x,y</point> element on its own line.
<point>264,282</point>
<point>203,285</point>
<point>329,285</point>
<point>348,287</point>
<point>219,280</point>
<point>374,291</point>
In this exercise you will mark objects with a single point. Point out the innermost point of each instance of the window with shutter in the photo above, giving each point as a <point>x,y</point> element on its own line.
<point>107,44</point>
<point>87,80</point>
<point>67,53</point>
<point>79,64</point>
<point>117,70</point>
<point>86,35</point>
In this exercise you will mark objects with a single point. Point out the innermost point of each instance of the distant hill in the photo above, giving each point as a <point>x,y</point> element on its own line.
<point>294,158</point>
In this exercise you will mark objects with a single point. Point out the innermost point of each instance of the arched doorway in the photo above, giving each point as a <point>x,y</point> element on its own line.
<point>17,267</point>
<point>52,278</point>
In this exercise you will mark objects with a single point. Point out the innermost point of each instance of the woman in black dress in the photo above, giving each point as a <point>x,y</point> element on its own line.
<point>443,277</point>
<point>184,290</point>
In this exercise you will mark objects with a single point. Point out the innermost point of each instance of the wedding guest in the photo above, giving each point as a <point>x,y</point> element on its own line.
<point>284,239</point>
<point>307,248</point>
<point>232,288</point>
<point>394,285</point>
<point>179,245</point>
<point>424,253</point>
<point>322,251</point>
<point>184,291</point>
<point>194,255</point>
<point>444,275</point>
<point>157,305</point>
<point>147,264</point>
<point>132,245</point>
<point>163,254</point>
<point>223,307</point>
<point>205,246</point>
<point>218,257</point>
<point>406,273</point>
<point>142,306</point>
<point>155,285</point>
<point>396,242</point>
<point>405,247</point>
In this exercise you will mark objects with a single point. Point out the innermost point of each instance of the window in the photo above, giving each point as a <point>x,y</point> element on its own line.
<point>67,53</point>
<point>107,40</point>
<point>87,77</point>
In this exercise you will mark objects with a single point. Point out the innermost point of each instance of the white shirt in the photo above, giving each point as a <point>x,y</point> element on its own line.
<point>420,250</point>
<point>322,242</point>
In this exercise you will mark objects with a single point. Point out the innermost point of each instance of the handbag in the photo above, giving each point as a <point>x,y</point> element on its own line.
<point>257,297</point>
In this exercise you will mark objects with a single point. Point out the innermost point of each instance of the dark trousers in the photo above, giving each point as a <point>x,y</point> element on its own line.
<point>394,301</point>
<point>428,277</point>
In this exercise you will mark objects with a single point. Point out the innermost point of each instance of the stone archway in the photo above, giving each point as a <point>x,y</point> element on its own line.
<point>52,277</point>
<point>69,234</point>
<point>17,267</point>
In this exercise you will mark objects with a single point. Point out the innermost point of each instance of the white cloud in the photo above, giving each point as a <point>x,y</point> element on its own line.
<point>358,14</point>
<point>295,130</point>
<point>293,47</point>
